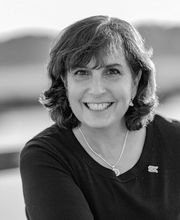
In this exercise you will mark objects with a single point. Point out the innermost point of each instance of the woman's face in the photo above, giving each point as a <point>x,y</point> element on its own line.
<point>99,98</point>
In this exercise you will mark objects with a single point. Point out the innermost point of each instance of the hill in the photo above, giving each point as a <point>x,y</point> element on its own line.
<point>165,41</point>
<point>31,48</point>
<point>23,61</point>
<point>24,50</point>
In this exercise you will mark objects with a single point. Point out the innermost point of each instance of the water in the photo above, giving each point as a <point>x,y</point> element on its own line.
<point>11,197</point>
<point>18,126</point>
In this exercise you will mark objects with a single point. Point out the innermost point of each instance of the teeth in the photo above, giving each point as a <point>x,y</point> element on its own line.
<point>98,107</point>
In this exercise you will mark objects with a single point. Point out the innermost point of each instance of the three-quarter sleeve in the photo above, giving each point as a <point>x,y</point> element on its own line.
<point>50,192</point>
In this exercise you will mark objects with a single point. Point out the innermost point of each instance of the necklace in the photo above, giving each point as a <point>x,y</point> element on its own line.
<point>113,167</point>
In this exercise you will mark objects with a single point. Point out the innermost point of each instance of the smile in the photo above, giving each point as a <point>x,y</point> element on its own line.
<point>98,106</point>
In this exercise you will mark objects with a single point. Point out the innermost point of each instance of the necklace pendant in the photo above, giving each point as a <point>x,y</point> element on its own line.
<point>117,172</point>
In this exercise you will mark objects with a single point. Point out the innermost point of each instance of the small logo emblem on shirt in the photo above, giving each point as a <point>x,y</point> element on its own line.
<point>153,169</point>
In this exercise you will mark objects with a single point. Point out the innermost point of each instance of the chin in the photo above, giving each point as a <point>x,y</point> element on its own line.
<point>98,124</point>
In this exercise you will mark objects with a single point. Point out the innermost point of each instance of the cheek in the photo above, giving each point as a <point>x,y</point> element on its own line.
<point>123,92</point>
<point>73,96</point>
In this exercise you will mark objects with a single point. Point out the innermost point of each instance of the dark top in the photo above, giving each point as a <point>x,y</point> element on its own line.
<point>61,181</point>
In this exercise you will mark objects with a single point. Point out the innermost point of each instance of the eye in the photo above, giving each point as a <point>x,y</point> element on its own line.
<point>113,72</point>
<point>81,74</point>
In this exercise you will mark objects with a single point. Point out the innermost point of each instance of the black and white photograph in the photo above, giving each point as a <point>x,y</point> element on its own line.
<point>89,110</point>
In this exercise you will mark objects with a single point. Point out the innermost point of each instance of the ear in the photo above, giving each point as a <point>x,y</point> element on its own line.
<point>137,78</point>
<point>64,80</point>
<point>136,83</point>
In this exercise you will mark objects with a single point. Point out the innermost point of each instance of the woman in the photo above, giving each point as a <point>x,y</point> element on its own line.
<point>108,156</point>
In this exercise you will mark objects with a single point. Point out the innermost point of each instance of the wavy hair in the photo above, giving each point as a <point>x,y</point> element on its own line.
<point>85,39</point>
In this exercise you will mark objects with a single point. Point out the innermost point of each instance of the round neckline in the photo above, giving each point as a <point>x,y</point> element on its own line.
<point>109,173</point>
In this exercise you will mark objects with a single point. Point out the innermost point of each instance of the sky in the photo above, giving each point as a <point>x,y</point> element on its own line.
<point>17,15</point>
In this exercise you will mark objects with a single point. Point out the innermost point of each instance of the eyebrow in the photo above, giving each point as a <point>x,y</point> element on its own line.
<point>112,65</point>
<point>101,66</point>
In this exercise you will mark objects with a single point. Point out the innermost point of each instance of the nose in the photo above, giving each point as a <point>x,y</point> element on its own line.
<point>97,86</point>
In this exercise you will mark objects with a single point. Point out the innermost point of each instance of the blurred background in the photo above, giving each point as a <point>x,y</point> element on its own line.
<point>27,31</point>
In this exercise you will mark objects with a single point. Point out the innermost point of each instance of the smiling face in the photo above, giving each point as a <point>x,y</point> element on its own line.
<point>99,97</point>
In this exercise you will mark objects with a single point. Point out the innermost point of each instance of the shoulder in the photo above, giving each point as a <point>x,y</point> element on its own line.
<point>167,129</point>
<point>167,124</point>
<point>51,141</point>
<point>50,148</point>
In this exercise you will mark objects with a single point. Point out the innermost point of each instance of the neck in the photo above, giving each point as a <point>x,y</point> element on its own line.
<point>104,140</point>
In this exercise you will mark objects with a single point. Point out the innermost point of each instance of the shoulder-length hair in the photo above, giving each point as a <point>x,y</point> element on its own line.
<point>82,41</point>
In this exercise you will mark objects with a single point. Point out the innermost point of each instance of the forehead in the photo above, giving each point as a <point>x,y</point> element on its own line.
<point>115,56</point>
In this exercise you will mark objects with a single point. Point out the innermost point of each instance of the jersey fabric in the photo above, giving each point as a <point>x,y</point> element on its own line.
<point>61,181</point>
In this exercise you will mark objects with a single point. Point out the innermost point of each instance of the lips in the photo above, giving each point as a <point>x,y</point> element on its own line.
<point>98,106</point>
